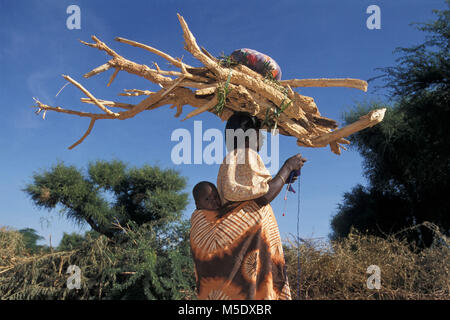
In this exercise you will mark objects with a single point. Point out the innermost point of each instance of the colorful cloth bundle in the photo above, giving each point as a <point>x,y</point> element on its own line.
<point>258,62</point>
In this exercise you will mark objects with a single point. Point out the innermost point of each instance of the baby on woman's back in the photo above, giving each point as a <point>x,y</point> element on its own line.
<point>206,196</point>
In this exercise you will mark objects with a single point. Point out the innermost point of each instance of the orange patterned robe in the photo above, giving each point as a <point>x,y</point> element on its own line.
<point>239,255</point>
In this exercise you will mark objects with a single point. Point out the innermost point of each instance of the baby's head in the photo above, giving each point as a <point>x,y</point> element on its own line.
<point>206,196</point>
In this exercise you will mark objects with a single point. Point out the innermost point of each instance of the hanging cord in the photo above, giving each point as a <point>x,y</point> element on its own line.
<point>298,239</point>
<point>289,188</point>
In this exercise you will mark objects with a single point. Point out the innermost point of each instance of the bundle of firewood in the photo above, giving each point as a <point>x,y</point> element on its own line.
<point>221,87</point>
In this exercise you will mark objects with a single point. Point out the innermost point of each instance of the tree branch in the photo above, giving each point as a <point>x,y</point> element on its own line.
<point>294,114</point>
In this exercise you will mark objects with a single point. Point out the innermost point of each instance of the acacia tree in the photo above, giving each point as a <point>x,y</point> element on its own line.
<point>74,240</point>
<point>111,194</point>
<point>407,156</point>
<point>146,254</point>
<point>30,239</point>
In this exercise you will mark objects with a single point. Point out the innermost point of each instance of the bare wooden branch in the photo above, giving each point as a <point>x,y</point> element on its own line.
<point>369,120</point>
<point>88,131</point>
<point>101,46</point>
<point>179,109</point>
<point>200,87</point>
<point>210,104</point>
<point>113,104</point>
<point>206,91</point>
<point>209,54</point>
<point>86,92</point>
<point>323,82</point>
<point>193,48</point>
<point>43,106</point>
<point>98,70</point>
<point>164,55</point>
<point>335,147</point>
<point>113,77</point>
<point>135,92</point>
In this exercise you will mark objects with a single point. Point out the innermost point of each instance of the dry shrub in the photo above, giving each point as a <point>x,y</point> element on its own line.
<point>11,245</point>
<point>43,275</point>
<point>338,269</point>
<point>328,270</point>
<point>126,267</point>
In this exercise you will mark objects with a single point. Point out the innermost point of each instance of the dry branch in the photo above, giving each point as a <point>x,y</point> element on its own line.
<point>88,131</point>
<point>90,96</point>
<point>349,83</point>
<point>164,55</point>
<point>368,120</point>
<point>222,90</point>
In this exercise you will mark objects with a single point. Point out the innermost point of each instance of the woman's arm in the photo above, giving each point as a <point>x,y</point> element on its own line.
<point>281,178</point>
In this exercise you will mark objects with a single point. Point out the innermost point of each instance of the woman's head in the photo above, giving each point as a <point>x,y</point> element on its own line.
<point>242,130</point>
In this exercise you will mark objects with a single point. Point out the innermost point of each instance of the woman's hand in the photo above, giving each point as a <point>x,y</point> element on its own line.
<point>275,185</point>
<point>295,163</point>
<point>294,178</point>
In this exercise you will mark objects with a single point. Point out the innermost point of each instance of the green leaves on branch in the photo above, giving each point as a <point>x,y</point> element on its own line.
<point>222,93</point>
<point>110,192</point>
<point>139,248</point>
<point>271,118</point>
<point>406,157</point>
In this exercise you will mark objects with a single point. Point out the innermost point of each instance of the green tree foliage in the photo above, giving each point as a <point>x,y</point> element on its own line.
<point>162,266</point>
<point>147,194</point>
<point>30,239</point>
<point>407,156</point>
<point>74,240</point>
<point>139,245</point>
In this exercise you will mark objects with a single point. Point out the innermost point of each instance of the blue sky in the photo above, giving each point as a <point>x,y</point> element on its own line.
<point>308,39</point>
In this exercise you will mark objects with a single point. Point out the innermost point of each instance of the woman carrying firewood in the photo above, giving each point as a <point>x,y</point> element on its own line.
<point>237,250</point>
